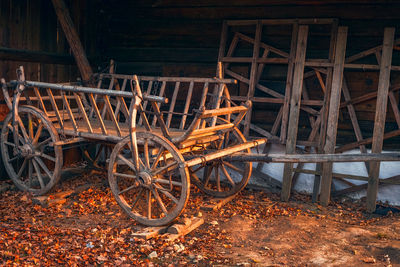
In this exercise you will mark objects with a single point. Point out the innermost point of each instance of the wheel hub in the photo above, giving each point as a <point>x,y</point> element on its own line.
<point>144,178</point>
<point>26,150</point>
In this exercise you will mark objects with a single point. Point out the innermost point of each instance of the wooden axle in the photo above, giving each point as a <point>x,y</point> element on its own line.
<point>225,152</point>
<point>314,158</point>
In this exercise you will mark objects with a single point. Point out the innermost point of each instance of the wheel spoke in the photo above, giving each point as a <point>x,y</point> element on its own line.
<point>44,142</point>
<point>137,197</point>
<point>157,160</point>
<point>38,173</point>
<point>148,204</point>
<point>124,175</point>
<point>30,173</point>
<point>127,162</point>
<point>163,169</point>
<point>41,154</point>
<point>228,177</point>
<point>38,133</point>
<point>44,167</point>
<point>217,178</point>
<point>14,158</point>
<point>30,126</point>
<point>127,189</point>
<point>146,153</point>
<point>9,144</point>
<point>167,194</point>
<point>159,201</point>
<point>22,168</point>
<point>23,130</point>
<point>233,167</point>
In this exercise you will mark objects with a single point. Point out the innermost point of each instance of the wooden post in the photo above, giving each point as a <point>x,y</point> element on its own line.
<point>289,80</point>
<point>380,116</point>
<point>253,75</point>
<point>334,105</point>
<point>73,39</point>
<point>222,46</point>
<point>295,100</point>
<point>324,109</point>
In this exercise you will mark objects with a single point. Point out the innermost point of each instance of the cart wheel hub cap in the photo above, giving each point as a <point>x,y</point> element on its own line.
<point>144,178</point>
<point>26,150</point>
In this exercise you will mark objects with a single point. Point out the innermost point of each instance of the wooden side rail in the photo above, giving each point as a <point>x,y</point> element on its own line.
<point>223,111</point>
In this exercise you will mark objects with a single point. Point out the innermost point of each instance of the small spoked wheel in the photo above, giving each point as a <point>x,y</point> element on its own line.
<point>31,160</point>
<point>156,192</point>
<point>220,178</point>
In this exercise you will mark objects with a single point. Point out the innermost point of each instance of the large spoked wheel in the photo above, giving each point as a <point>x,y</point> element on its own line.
<point>157,192</point>
<point>220,178</point>
<point>31,161</point>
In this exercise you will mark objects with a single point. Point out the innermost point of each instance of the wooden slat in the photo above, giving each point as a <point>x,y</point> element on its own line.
<point>97,112</point>
<point>83,112</point>
<point>55,108</point>
<point>187,104</point>
<point>334,105</point>
<point>39,98</point>
<point>380,115</point>
<point>69,111</point>
<point>111,114</point>
<point>162,90</point>
<point>172,104</point>
<point>295,101</point>
<point>149,87</point>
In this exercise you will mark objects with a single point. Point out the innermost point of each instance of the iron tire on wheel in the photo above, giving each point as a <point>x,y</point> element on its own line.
<point>32,163</point>
<point>157,193</point>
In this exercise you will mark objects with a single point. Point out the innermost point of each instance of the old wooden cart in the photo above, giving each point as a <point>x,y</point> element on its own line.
<point>159,149</point>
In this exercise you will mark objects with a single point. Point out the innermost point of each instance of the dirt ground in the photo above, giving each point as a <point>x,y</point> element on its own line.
<point>254,229</point>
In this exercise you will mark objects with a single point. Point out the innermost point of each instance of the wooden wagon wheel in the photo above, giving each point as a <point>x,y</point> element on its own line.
<point>157,192</point>
<point>31,161</point>
<point>219,178</point>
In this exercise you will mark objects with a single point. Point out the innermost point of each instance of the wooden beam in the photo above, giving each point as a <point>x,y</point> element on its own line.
<point>334,105</point>
<point>295,101</point>
<point>34,56</point>
<point>73,39</point>
<point>380,115</point>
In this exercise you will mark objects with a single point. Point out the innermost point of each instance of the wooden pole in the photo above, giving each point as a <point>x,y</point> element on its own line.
<point>334,105</point>
<point>73,39</point>
<point>295,102</point>
<point>380,116</point>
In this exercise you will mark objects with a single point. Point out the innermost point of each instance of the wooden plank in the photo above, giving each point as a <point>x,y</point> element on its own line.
<point>216,203</point>
<point>380,115</point>
<point>289,83</point>
<point>162,90</point>
<point>97,112</point>
<point>55,108</point>
<point>334,104</point>
<point>395,107</point>
<point>295,101</point>
<point>253,76</point>
<point>111,114</point>
<point>73,39</point>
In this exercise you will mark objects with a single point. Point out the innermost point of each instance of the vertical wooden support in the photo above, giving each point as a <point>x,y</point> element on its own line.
<point>289,83</point>
<point>73,39</point>
<point>222,45</point>
<point>295,100</point>
<point>380,115</point>
<point>334,105</point>
<point>253,75</point>
<point>324,109</point>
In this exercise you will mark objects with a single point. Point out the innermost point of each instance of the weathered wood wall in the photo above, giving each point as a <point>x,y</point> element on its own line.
<point>181,38</point>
